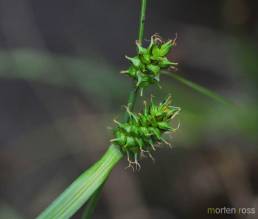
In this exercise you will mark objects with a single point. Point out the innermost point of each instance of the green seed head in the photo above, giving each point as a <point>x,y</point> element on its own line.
<point>144,130</point>
<point>146,65</point>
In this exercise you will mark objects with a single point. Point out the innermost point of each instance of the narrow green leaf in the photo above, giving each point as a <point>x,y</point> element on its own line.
<point>83,187</point>
<point>199,88</point>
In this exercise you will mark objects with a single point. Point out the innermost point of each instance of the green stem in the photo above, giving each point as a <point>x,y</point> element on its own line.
<point>131,104</point>
<point>134,93</point>
<point>142,21</point>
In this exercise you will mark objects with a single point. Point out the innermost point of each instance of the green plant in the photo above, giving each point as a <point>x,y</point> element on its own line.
<point>136,136</point>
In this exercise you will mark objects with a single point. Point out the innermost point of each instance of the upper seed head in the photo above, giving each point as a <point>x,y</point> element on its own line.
<point>146,65</point>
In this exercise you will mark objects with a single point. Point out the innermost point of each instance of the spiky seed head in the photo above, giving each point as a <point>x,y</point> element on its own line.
<point>144,130</point>
<point>146,65</point>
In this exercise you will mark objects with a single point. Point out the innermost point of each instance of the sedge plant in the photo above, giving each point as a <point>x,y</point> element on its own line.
<point>138,135</point>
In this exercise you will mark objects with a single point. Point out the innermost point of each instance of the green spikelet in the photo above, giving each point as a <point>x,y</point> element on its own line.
<point>143,131</point>
<point>146,65</point>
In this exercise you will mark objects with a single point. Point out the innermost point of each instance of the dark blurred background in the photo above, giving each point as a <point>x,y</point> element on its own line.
<point>60,89</point>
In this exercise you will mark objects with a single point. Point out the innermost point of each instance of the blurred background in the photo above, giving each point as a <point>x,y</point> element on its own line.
<point>60,89</point>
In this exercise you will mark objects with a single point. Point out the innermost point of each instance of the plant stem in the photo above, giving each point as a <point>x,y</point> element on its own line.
<point>134,93</point>
<point>131,104</point>
<point>142,21</point>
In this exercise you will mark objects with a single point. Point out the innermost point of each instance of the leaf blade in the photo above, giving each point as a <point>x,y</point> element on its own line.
<point>199,88</point>
<point>83,187</point>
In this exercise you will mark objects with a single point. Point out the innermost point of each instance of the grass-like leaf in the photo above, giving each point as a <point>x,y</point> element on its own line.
<point>83,187</point>
<point>199,88</point>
